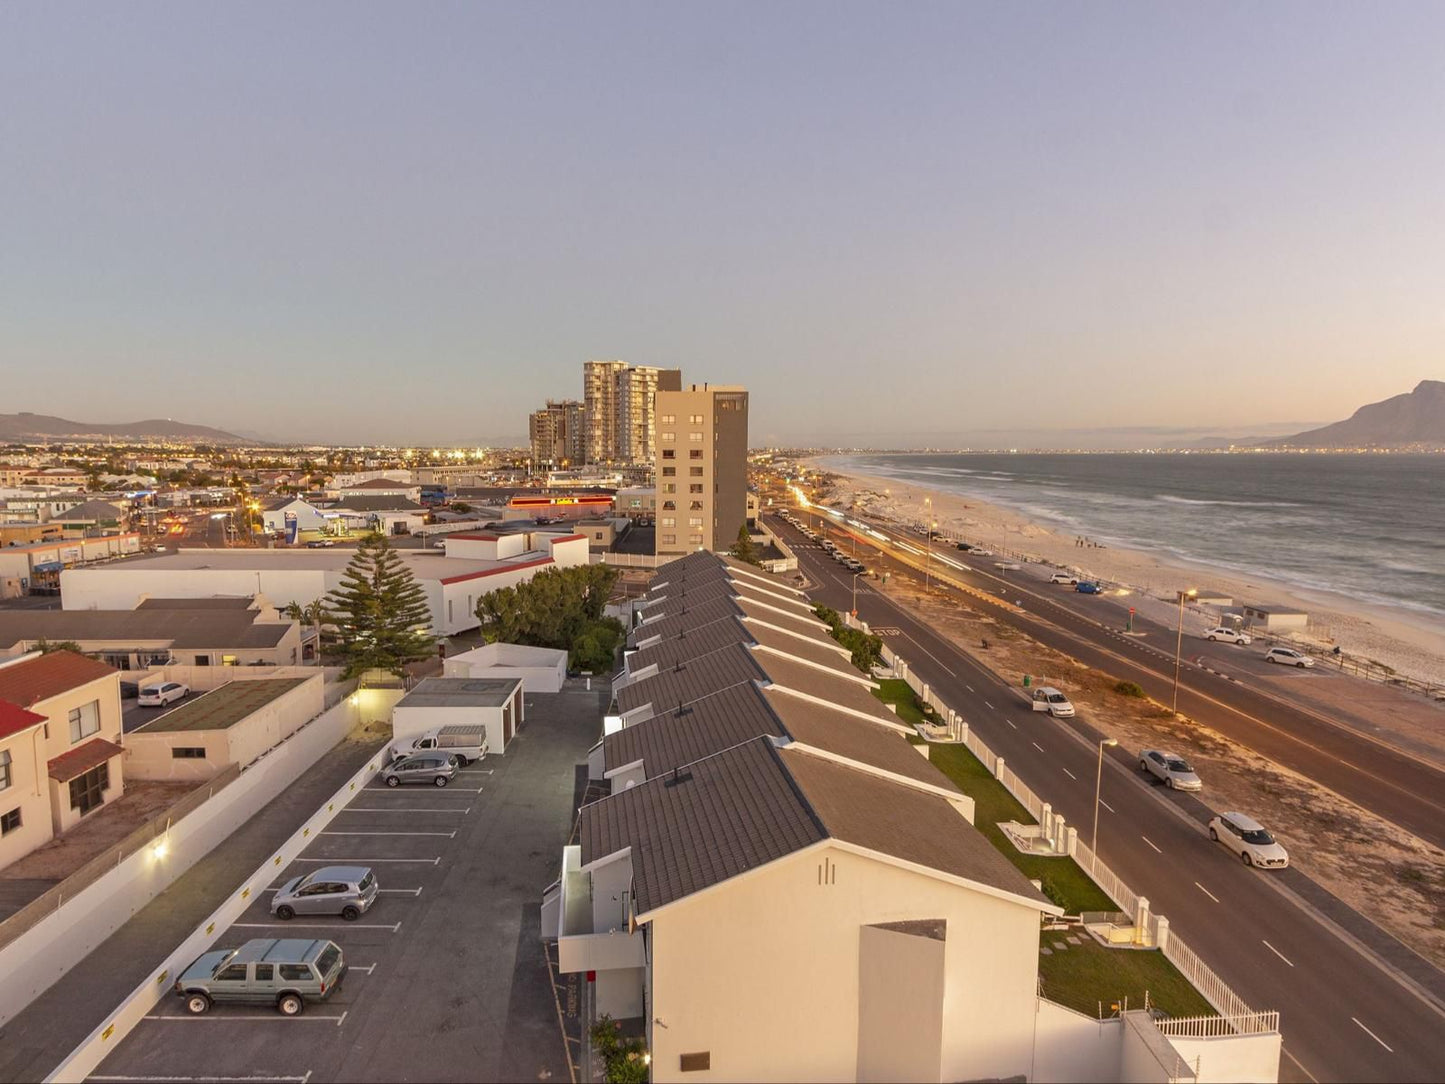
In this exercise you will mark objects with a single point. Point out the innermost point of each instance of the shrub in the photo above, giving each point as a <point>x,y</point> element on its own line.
<point>1130,688</point>
<point>625,1060</point>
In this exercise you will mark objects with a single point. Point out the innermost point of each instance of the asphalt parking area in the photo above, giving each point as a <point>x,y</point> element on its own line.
<point>447,979</point>
<point>133,716</point>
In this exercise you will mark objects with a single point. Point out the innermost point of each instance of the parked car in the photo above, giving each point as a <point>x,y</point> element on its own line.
<point>1229,636</point>
<point>1089,587</point>
<point>161,694</point>
<point>433,768</point>
<point>348,891</point>
<point>1174,771</point>
<point>1288,656</point>
<point>1064,577</point>
<point>1046,698</point>
<point>129,690</point>
<point>465,742</point>
<point>320,543</point>
<point>286,973</point>
<point>1247,838</point>
<point>965,546</point>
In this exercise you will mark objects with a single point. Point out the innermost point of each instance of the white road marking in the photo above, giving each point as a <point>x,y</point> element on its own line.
<point>406,809</point>
<point>1037,746</point>
<point>368,861</point>
<point>931,655</point>
<point>989,706</point>
<point>1070,774</point>
<point>967,686</point>
<point>224,1017</point>
<point>220,1079</point>
<point>369,968</point>
<point>1149,841</point>
<point>402,891</point>
<point>1281,955</point>
<point>1215,898</point>
<point>1372,1035</point>
<point>1010,723</point>
<point>1106,805</point>
<point>448,835</point>
<point>293,923</point>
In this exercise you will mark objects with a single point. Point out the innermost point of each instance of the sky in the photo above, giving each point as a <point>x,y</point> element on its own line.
<point>896,224</point>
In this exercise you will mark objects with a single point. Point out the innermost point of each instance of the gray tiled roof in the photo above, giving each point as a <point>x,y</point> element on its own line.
<point>208,627</point>
<point>691,642</point>
<point>693,615</point>
<point>691,679</point>
<point>699,729</point>
<point>830,686</point>
<point>897,820</point>
<point>717,818</point>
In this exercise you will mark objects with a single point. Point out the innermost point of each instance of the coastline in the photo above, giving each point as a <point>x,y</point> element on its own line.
<point>1396,638</point>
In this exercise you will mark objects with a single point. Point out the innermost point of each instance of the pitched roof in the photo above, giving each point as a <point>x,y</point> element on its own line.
<point>14,719</point>
<point>691,680</point>
<point>81,759</point>
<point>182,627</point>
<point>27,683</point>
<point>715,819</point>
<point>681,735</point>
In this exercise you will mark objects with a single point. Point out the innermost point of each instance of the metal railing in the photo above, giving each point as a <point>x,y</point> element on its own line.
<point>1202,977</point>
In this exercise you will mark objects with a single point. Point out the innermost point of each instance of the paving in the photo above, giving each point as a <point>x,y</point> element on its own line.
<point>448,977</point>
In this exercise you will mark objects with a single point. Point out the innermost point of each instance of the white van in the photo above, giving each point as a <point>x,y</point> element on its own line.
<point>1047,698</point>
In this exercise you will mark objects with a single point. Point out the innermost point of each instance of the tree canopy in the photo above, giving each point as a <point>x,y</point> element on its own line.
<point>380,613</point>
<point>558,608</point>
<point>743,549</point>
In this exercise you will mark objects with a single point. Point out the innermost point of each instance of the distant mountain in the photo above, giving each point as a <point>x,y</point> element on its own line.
<point>27,427</point>
<point>1417,417</point>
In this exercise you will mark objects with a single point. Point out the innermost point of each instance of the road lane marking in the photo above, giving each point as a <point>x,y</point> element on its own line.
<point>1037,746</point>
<point>967,686</point>
<point>989,706</point>
<point>448,835</point>
<point>1070,774</point>
<point>1149,841</point>
<point>1372,1035</point>
<point>188,1079</point>
<point>1281,955</point>
<point>366,861</point>
<point>1215,898</point>
<point>1106,805</point>
<point>931,655</point>
<point>1011,723</point>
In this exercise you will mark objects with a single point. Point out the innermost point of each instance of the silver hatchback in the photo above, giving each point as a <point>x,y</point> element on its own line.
<point>430,768</point>
<point>348,891</point>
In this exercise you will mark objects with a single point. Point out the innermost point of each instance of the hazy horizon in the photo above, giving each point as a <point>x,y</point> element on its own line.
<point>363,221</point>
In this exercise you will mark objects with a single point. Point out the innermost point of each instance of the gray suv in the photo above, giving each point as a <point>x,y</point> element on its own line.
<point>284,973</point>
<point>434,768</point>
<point>348,891</point>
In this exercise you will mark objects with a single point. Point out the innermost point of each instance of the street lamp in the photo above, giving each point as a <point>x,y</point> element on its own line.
<point>1179,643</point>
<point>1098,786</point>
<point>855,593</point>
<point>928,551</point>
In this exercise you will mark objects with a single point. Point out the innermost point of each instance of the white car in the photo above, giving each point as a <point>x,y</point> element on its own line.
<point>1247,838</point>
<point>1288,656</point>
<point>1173,770</point>
<point>157,696</point>
<point>1229,636</point>
<point>1064,577</point>
<point>1049,699</point>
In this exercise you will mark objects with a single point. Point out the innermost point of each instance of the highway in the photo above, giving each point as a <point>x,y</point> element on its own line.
<point>1343,1015</point>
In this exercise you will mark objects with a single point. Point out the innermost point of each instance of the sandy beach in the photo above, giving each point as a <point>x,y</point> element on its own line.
<point>1410,646</point>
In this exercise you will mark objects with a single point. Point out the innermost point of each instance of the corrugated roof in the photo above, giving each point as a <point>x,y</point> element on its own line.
<point>696,730</point>
<point>81,759</point>
<point>715,819</point>
<point>223,708</point>
<point>26,683</point>
<point>691,680</point>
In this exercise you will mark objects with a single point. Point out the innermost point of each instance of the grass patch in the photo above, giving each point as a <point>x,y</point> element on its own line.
<point>1130,688</point>
<point>898,692</point>
<point>1084,975</point>
<point>1064,882</point>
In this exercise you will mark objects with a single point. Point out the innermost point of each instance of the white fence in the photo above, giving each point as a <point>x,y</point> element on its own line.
<point>1238,1017</point>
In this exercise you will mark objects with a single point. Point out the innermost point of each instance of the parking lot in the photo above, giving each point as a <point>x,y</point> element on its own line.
<point>447,979</point>
<point>133,716</point>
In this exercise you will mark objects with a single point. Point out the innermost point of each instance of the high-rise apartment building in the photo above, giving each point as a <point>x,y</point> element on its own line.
<point>558,433</point>
<point>701,467</point>
<point>621,424</point>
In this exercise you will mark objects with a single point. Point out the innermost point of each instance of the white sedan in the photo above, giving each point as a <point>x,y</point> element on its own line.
<point>1229,636</point>
<point>1064,577</point>
<point>1247,838</point>
<point>1288,656</point>
<point>158,696</point>
<point>1175,771</point>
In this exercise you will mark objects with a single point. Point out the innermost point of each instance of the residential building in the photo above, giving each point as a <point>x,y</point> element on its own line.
<point>377,487</point>
<point>621,407</point>
<point>701,468</point>
<point>60,752</point>
<point>636,502</point>
<point>558,434</point>
<point>599,393</point>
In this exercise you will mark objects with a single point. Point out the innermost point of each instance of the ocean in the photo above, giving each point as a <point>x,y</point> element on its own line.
<point>1370,527</point>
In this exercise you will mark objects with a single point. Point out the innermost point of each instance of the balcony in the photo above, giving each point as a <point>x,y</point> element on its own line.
<point>583,942</point>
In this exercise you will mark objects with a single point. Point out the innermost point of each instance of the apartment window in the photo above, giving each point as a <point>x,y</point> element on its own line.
<point>668,419</point>
<point>9,822</point>
<point>228,660</point>
<point>695,539</point>
<point>695,419</point>
<point>669,487</point>
<point>84,721</point>
<point>668,453</point>
<point>449,611</point>
<point>694,453</point>
<point>669,540</point>
<point>667,436</point>
<point>694,472</point>
<point>87,791</point>
<point>669,472</point>
<point>203,660</point>
<point>696,487</point>
<point>668,521</point>
<point>696,438</point>
<point>694,521</point>
<point>669,506</point>
<point>188,752</point>
<point>5,771</point>
<point>696,506</point>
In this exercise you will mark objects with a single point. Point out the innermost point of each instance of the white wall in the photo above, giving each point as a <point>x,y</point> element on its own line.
<point>540,670</point>
<point>121,588</point>
<point>1233,1058</point>
<point>763,971</point>
<point>1071,1048</point>
<point>411,721</point>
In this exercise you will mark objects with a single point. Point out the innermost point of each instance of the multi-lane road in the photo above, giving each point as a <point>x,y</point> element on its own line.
<point>1345,1013</point>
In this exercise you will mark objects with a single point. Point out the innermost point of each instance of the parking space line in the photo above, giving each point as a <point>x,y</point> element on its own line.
<point>225,1017</point>
<point>369,968</point>
<point>1372,1035</point>
<point>401,891</point>
<point>989,706</point>
<point>448,835</point>
<point>220,1079</point>
<point>1149,841</point>
<point>367,861</point>
<point>292,923</point>
<point>404,809</point>
<point>1283,957</point>
<point>1215,898</point>
<point>1011,723</point>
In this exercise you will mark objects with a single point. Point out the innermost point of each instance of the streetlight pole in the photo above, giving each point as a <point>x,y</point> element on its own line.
<point>1098,787</point>
<point>928,551</point>
<point>1179,644</point>
<point>855,593</point>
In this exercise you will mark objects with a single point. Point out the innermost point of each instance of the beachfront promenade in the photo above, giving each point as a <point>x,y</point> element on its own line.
<point>1350,1011</point>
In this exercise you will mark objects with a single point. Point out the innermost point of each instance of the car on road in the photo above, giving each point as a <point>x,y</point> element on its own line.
<point>1229,636</point>
<point>1247,838</point>
<point>1089,587</point>
<point>348,891</point>
<point>434,768</point>
<point>1047,698</point>
<point>1288,656</point>
<point>161,694</point>
<point>1174,771</point>
<point>285,972</point>
<point>1064,577</point>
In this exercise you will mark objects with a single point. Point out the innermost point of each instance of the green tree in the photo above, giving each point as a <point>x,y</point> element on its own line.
<point>380,613</point>
<point>552,609</point>
<point>45,647</point>
<point>313,614</point>
<point>743,549</point>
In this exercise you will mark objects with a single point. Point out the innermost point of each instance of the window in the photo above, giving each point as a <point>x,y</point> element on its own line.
<point>695,487</point>
<point>203,660</point>
<point>694,472</point>
<point>668,419</point>
<point>696,438</point>
<point>9,822</point>
<point>668,453</point>
<point>232,973</point>
<point>694,453</point>
<point>188,752</point>
<point>696,506</point>
<point>87,791</point>
<point>295,972</point>
<point>695,539</point>
<point>669,540</point>
<point>694,521</point>
<point>265,972</point>
<point>669,487</point>
<point>669,506</point>
<point>228,660</point>
<point>667,521</point>
<point>5,777</point>
<point>84,721</point>
<point>667,436</point>
<point>669,472</point>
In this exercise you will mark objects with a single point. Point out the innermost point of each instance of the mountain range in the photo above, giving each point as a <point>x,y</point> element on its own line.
<point>25,427</point>
<point>1415,417</point>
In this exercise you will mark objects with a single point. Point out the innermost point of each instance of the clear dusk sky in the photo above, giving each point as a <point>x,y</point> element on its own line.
<point>895,223</point>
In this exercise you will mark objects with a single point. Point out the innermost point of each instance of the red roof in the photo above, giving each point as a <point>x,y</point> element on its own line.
<point>81,759</point>
<point>27,683</point>
<point>498,571</point>
<point>14,719</point>
<point>472,536</point>
<point>567,538</point>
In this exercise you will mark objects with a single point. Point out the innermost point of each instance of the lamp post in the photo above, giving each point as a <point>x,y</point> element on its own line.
<point>855,593</point>
<point>1098,786</point>
<point>928,551</point>
<point>1179,644</point>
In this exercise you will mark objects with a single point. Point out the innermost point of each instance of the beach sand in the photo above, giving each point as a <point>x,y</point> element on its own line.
<point>1410,647</point>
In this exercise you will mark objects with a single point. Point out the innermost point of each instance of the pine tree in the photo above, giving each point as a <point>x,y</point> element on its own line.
<point>743,548</point>
<point>380,613</point>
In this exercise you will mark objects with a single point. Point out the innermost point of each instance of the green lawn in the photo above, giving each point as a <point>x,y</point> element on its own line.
<point>897,691</point>
<point>1086,974</point>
